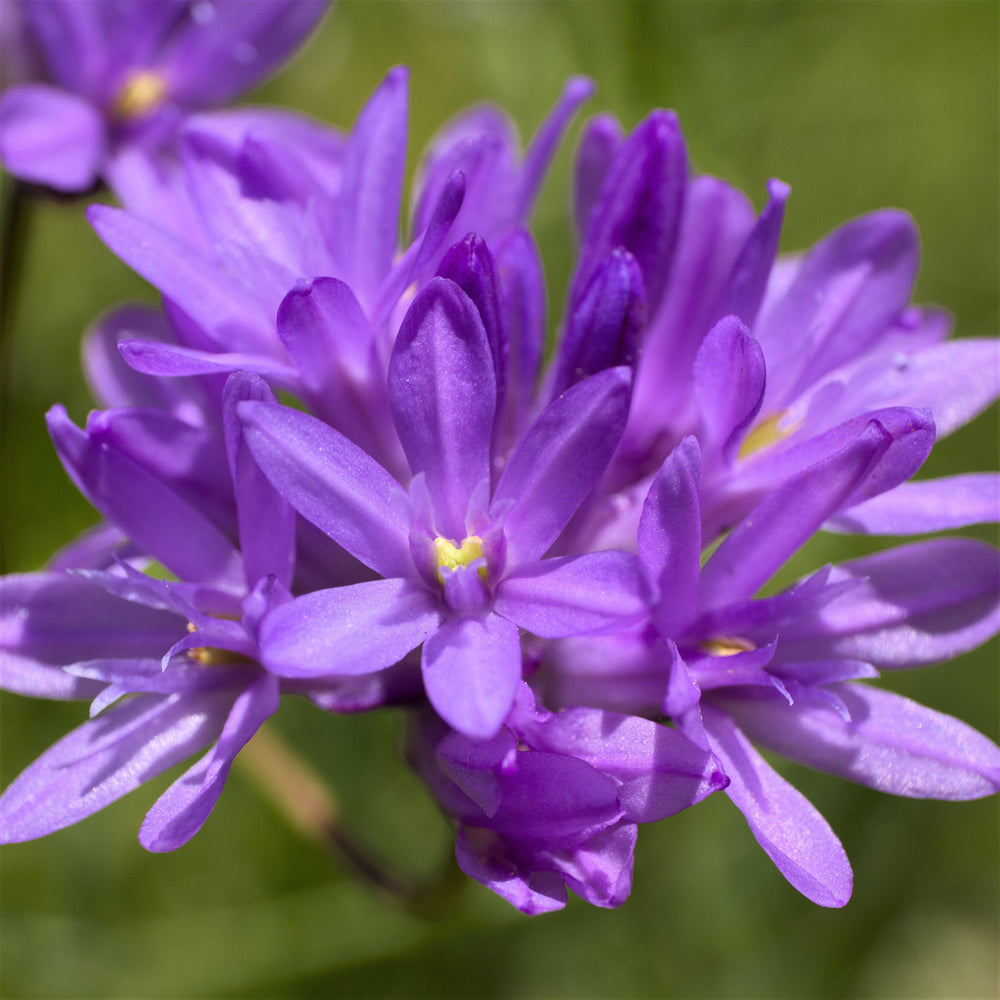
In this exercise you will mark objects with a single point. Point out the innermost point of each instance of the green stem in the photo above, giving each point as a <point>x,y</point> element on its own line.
<point>311,807</point>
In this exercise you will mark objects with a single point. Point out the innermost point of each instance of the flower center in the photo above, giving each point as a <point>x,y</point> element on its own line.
<point>142,92</point>
<point>450,557</point>
<point>764,434</point>
<point>726,647</point>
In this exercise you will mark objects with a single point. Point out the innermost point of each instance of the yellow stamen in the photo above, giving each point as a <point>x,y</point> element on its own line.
<point>142,92</point>
<point>765,433</point>
<point>450,557</point>
<point>727,647</point>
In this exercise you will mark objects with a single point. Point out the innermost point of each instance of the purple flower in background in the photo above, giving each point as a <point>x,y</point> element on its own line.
<point>461,558</point>
<point>124,73</point>
<point>552,801</point>
<point>783,671</point>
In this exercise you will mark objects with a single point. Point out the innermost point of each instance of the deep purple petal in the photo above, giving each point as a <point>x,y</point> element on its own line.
<point>558,462</point>
<point>332,483</point>
<point>471,668</point>
<point>50,137</point>
<point>927,505</point>
<point>347,631</point>
<point>180,812</point>
<point>784,521</point>
<point>575,595</point>
<point>107,757</point>
<point>599,142</point>
<point>729,378</point>
<point>669,538</point>
<point>890,743</point>
<point>442,392</point>
<point>266,521</point>
<point>794,835</point>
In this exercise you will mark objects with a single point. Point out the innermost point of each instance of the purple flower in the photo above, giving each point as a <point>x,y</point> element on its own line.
<point>552,801</point>
<point>461,554</point>
<point>784,671</point>
<point>121,75</point>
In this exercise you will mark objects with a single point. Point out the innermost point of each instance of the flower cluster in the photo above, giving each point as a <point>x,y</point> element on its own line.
<point>551,559</point>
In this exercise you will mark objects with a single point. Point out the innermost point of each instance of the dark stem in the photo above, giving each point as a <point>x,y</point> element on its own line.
<point>309,804</point>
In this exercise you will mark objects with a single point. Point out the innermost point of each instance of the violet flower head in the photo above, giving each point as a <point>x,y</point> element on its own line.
<point>120,75</point>
<point>461,553</point>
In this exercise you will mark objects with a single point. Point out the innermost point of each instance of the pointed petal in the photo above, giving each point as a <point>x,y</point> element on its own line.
<point>347,631</point>
<point>670,538</point>
<point>794,835</point>
<point>890,743</point>
<point>599,142</point>
<point>928,505</point>
<point>107,757</point>
<point>181,811</point>
<point>471,668</point>
<point>558,462</point>
<point>171,361</point>
<point>332,483</point>
<point>576,595</point>
<point>442,392</point>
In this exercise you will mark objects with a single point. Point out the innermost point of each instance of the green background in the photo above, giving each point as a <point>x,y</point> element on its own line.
<point>857,105</point>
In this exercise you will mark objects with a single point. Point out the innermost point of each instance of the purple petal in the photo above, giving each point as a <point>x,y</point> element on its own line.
<point>600,140</point>
<point>558,462</point>
<point>604,328</point>
<point>576,595</point>
<point>472,765</point>
<point>928,505</point>
<point>849,289</point>
<point>639,206</point>
<point>669,538</point>
<point>915,604</point>
<point>442,392</point>
<point>367,218</point>
<point>266,521</point>
<point>156,517</point>
<point>794,835</point>
<point>471,669</point>
<point>660,772</point>
<point>107,757</point>
<point>50,137</point>
<point>784,521</point>
<point>332,483</point>
<point>181,811</point>
<point>600,870</point>
<point>546,141</point>
<point>729,378</point>
<point>214,56</point>
<point>890,743</point>
<point>347,631</point>
<point>171,361</point>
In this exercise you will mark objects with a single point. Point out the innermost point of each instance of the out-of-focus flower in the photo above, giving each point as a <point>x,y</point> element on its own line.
<point>121,74</point>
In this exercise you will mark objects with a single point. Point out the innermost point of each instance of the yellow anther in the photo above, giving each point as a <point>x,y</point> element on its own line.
<point>727,647</point>
<point>765,433</point>
<point>142,92</point>
<point>450,557</point>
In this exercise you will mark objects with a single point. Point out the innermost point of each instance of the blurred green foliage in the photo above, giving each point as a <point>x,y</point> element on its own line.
<point>857,106</point>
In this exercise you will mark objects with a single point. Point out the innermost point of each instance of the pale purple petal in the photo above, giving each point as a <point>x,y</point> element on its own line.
<point>794,835</point>
<point>471,668</point>
<point>558,462</point>
<point>890,743</point>
<point>171,361</point>
<point>575,595</point>
<point>914,604</point>
<point>599,142</point>
<point>442,392</point>
<point>347,631</point>
<point>332,483</point>
<point>600,870</point>
<point>181,811</point>
<point>926,505</point>
<point>51,137</point>
<point>107,757</point>
<point>669,538</point>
